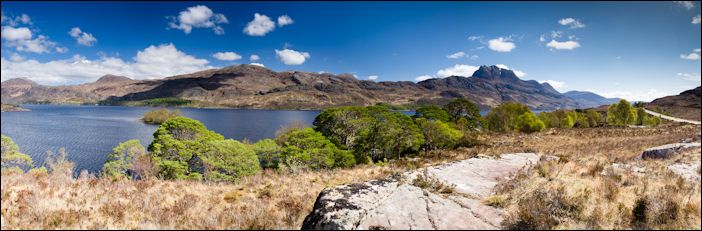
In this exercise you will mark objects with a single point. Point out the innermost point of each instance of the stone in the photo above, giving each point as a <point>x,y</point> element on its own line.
<point>396,203</point>
<point>667,151</point>
<point>689,172</point>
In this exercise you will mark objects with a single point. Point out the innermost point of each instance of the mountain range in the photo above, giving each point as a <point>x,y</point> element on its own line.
<point>251,86</point>
<point>685,105</point>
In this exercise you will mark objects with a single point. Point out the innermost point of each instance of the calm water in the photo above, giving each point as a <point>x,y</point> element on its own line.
<point>88,133</point>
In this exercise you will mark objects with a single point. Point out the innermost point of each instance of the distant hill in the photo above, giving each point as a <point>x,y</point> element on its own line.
<point>586,99</point>
<point>685,105</point>
<point>250,86</point>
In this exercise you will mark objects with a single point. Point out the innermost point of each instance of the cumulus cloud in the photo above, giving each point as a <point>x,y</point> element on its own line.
<point>22,19</point>
<point>13,34</point>
<point>695,55</point>
<point>16,57</point>
<point>22,39</point>
<point>260,25</point>
<point>226,56</point>
<point>83,38</point>
<point>690,77</point>
<point>696,19</point>
<point>501,44</point>
<point>372,77</point>
<point>153,62</point>
<point>688,5</point>
<point>641,95</point>
<point>254,58</point>
<point>571,22</point>
<point>457,70</point>
<point>423,77</point>
<point>558,85</point>
<point>518,73</point>
<point>284,20</point>
<point>456,55</point>
<point>567,45</point>
<point>198,17</point>
<point>292,57</point>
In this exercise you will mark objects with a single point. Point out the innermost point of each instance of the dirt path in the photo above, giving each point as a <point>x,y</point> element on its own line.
<point>671,118</point>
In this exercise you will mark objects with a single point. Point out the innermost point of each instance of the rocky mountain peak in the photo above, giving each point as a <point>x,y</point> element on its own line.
<point>112,79</point>
<point>495,73</point>
<point>18,82</point>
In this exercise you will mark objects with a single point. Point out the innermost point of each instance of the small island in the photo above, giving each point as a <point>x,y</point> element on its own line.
<point>12,108</point>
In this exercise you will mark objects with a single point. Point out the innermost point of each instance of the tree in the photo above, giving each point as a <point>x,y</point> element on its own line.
<point>640,116</point>
<point>124,158</point>
<point>11,156</point>
<point>177,144</point>
<point>438,134</point>
<point>463,108</point>
<point>503,118</point>
<point>268,153</point>
<point>621,114</point>
<point>311,149</point>
<point>529,123</point>
<point>432,112</point>
<point>159,116</point>
<point>593,118</point>
<point>228,160</point>
<point>652,121</point>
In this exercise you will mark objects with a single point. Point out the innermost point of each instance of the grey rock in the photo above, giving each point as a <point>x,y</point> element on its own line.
<point>689,172</point>
<point>668,150</point>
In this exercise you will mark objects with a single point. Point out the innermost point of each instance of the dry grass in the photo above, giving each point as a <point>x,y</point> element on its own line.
<point>567,194</point>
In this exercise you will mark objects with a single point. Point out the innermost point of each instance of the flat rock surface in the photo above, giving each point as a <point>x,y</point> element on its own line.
<point>668,150</point>
<point>397,203</point>
<point>689,172</point>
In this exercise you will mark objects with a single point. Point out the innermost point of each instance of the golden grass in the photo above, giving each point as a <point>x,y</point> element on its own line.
<point>571,193</point>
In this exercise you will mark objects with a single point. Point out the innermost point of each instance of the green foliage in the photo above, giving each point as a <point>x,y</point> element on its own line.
<point>651,121</point>
<point>464,109</point>
<point>268,153</point>
<point>122,159</point>
<point>594,118</point>
<point>11,157</point>
<point>438,134</point>
<point>558,118</point>
<point>164,102</point>
<point>621,114</point>
<point>176,142</point>
<point>159,116</point>
<point>432,112</point>
<point>312,150</point>
<point>529,123</point>
<point>227,160</point>
<point>505,117</point>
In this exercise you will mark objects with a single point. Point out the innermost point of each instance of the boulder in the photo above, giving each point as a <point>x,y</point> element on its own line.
<point>401,203</point>
<point>667,151</point>
<point>689,172</point>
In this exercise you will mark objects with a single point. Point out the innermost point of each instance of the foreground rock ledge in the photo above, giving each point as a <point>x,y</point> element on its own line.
<point>396,203</point>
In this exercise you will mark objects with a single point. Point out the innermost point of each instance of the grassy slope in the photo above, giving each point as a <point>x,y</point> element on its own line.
<point>272,200</point>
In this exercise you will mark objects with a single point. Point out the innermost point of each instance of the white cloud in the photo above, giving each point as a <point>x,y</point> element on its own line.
<point>456,55</point>
<point>82,37</point>
<point>22,19</point>
<point>690,77</point>
<point>226,56</point>
<point>16,57</point>
<point>501,45</point>
<point>695,55</point>
<point>372,77</point>
<point>556,34</point>
<point>696,19</point>
<point>292,57</point>
<point>284,20</point>
<point>542,38</point>
<point>641,95</point>
<point>198,17</point>
<point>571,22</point>
<point>457,70</point>
<point>686,4</point>
<point>153,62</point>
<point>474,57</point>
<point>423,77</point>
<point>558,85</point>
<point>260,25</point>
<point>21,40</point>
<point>473,37</point>
<point>257,64</point>
<point>15,34</point>
<point>518,73</point>
<point>254,58</point>
<point>567,45</point>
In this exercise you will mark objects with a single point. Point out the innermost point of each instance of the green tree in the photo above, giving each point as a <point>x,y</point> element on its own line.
<point>228,160</point>
<point>268,153</point>
<point>11,156</point>
<point>438,134</point>
<point>621,114</point>
<point>432,112</point>
<point>503,118</point>
<point>652,121</point>
<point>387,135</point>
<point>311,149</point>
<point>177,144</point>
<point>528,123</point>
<point>593,117</point>
<point>159,116</point>
<point>121,162</point>
<point>640,116</point>
<point>463,108</point>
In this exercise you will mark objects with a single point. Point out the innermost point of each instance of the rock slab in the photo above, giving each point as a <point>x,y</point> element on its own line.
<point>397,203</point>
<point>667,151</point>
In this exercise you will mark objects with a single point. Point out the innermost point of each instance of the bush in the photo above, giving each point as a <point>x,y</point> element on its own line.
<point>125,159</point>
<point>312,150</point>
<point>227,160</point>
<point>268,153</point>
<point>464,109</point>
<point>511,116</point>
<point>432,112</point>
<point>528,123</point>
<point>11,157</point>
<point>159,116</point>
<point>438,134</point>
<point>621,114</point>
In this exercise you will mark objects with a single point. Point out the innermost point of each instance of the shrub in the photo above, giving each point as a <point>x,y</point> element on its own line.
<point>11,157</point>
<point>312,150</point>
<point>438,134</point>
<point>511,116</point>
<point>120,163</point>
<point>528,123</point>
<point>268,153</point>
<point>227,160</point>
<point>621,114</point>
<point>432,112</point>
<point>159,116</point>
<point>464,109</point>
<point>281,135</point>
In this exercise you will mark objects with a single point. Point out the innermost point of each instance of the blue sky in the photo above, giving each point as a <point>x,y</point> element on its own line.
<point>634,50</point>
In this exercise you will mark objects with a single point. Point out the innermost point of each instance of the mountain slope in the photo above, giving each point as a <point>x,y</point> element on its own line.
<point>586,99</point>
<point>686,105</point>
<point>250,86</point>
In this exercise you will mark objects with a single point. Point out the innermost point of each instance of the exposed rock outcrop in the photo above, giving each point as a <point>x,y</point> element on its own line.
<point>441,197</point>
<point>667,151</point>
